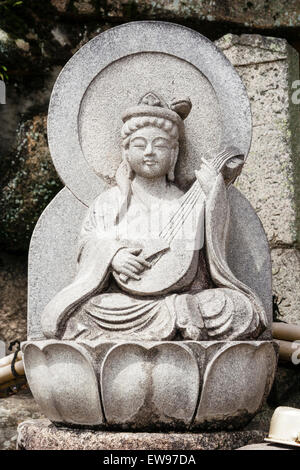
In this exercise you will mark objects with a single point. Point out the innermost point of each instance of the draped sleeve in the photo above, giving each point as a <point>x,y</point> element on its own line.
<point>98,245</point>
<point>253,319</point>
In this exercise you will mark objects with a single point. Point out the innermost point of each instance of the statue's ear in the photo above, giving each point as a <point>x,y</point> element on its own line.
<point>171,172</point>
<point>124,170</point>
<point>125,154</point>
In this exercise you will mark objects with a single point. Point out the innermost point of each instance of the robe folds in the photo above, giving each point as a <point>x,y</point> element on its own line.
<point>216,305</point>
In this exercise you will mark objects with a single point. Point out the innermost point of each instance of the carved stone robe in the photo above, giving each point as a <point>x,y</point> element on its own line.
<point>216,305</point>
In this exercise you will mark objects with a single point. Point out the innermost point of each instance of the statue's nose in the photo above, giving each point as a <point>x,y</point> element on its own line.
<point>148,149</point>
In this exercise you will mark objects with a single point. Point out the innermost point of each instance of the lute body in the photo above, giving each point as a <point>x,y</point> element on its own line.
<point>174,256</point>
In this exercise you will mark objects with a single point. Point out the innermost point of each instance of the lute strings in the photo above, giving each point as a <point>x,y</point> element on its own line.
<point>190,199</point>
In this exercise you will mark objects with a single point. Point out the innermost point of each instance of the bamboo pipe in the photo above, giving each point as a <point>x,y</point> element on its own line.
<point>6,374</point>
<point>289,351</point>
<point>286,331</point>
<point>6,360</point>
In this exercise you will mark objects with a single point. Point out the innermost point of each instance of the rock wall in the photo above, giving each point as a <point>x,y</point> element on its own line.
<point>269,67</point>
<point>36,40</point>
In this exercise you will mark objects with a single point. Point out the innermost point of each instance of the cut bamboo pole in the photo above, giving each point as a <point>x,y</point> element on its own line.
<point>286,331</point>
<point>289,351</point>
<point>6,374</point>
<point>5,361</point>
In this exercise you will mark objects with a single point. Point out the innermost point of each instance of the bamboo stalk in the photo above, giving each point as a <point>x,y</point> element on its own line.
<point>289,351</point>
<point>6,374</point>
<point>285,331</point>
<point>5,361</point>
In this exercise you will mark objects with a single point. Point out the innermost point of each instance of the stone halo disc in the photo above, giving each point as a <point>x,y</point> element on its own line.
<point>111,71</point>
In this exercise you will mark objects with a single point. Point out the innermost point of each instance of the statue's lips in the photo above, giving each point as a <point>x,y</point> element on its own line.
<point>150,162</point>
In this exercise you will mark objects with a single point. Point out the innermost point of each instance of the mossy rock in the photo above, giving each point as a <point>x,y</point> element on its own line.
<point>29,183</point>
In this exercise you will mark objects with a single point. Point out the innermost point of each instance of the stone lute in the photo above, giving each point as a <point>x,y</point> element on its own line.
<point>174,255</point>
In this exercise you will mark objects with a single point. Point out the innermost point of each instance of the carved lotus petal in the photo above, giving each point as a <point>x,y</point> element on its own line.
<point>149,386</point>
<point>63,382</point>
<point>235,382</point>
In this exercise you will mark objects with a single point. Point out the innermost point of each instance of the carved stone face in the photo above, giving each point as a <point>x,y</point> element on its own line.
<point>152,152</point>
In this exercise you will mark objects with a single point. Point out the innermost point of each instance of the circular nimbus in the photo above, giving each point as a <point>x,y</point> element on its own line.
<point>113,71</point>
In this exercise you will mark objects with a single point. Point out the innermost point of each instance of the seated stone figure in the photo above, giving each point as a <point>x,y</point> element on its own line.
<point>207,302</point>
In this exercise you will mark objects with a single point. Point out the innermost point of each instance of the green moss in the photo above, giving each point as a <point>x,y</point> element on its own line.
<point>30,184</point>
<point>12,18</point>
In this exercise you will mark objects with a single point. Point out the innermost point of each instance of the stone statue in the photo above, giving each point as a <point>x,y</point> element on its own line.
<point>150,301</point>
<point>192,294</point>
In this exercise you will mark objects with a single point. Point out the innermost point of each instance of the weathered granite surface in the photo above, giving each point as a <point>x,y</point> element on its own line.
<point>261,14</point>
<point>14,410</point>
<point>13,298</point>
<point>270,180</point>
<point>266,446</point>
<point>268,67</point>
<point>149,385</point>
<point>42,435</point>
<point>286,281</point>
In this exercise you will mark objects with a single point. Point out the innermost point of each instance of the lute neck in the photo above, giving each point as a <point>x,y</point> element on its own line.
<point>192,195</point>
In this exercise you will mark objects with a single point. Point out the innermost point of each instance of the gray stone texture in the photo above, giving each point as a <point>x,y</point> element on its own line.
<point>13,298</point>
<point>260,14</point>
<point>14,410</point>
<point>266,446</point>
<point>63,211</point>
<point>267,67</point>
<point>286,282</point>
<point>270,179</point>
<point>40,434</point>
<point>166,385</point>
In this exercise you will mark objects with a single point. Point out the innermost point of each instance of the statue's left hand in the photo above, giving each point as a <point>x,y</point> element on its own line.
<point>129,262</point>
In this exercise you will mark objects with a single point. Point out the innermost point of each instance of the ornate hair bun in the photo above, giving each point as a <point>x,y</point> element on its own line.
<point>181,107</point>
<point>152,105</point>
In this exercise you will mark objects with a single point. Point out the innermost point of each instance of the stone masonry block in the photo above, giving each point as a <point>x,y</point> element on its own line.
<point>268,67</point>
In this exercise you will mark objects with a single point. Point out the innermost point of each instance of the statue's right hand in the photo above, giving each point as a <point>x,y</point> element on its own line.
<point>128,262</point>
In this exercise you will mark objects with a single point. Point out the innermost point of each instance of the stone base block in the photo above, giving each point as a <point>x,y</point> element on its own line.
<point>266,446</point>
<point>41,434</point>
